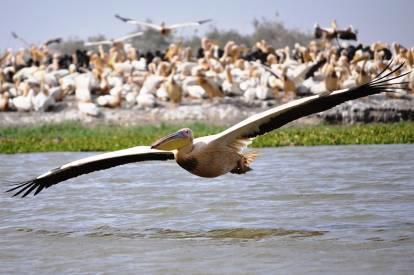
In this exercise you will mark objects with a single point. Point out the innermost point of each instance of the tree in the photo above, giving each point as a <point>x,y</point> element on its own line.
<point>69,46</point>
<point>276,34</point>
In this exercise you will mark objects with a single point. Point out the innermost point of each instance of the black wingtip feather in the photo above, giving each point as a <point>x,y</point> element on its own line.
<point>19,185</point>
<point>387,81</point>
<point>385,69</point>
<point>39,188</point>
<point>124,19</point>
<point>23,186</point>
<point>28,185</point>
<point>381,83</point>
<point>33,186</point>
<point>204,21</point>
<point>380,78</point>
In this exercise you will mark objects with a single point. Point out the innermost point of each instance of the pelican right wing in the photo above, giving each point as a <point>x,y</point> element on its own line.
<point>97,43</point>
<point>274,118</point>
<point>347,34</point>
<point>88,165</point>
<point>188,24</point>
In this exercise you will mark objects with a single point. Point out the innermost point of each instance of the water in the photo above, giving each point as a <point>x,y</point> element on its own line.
<point>337,209</point>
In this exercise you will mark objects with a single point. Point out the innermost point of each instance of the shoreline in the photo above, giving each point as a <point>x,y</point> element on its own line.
<point>76,137</point>
<point>219,111</point>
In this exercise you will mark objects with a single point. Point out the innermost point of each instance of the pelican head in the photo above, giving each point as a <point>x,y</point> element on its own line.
<point>174,141</point>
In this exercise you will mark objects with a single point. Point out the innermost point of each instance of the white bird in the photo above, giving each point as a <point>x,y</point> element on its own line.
<point>113,41</point>
<point>23,103</point>
<point>229,86</point>
<point>163,28</point>
<point>88,108</point>
<point>42,102</point>
<point>214,155</point>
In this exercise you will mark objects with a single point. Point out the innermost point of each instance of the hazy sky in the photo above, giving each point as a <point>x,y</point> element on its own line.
<point>39,20</point>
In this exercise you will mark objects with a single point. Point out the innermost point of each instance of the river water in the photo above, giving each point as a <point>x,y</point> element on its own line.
<point>330,209</point>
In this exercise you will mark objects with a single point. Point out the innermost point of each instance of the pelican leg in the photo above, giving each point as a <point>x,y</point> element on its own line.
<point>242,166</point>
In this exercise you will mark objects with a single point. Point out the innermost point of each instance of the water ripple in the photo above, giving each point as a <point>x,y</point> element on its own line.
<point>328,206</point>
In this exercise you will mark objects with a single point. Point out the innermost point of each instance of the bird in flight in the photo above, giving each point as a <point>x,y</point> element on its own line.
<point>163,28</point>
<point>335,33</point>
<point>47,42</point>
<point>113,41</point>
<point>218,154</point>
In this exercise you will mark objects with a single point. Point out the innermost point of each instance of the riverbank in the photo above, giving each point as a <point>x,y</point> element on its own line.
<point>74,136</point>
<point>218,111</point>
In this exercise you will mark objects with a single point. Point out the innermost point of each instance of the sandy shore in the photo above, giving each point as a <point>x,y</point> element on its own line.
<point>221,111</point>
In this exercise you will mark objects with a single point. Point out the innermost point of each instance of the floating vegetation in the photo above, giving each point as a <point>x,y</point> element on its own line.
<point>154,233</point>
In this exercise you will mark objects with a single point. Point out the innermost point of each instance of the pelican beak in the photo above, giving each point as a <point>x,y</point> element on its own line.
<point>171,142</point>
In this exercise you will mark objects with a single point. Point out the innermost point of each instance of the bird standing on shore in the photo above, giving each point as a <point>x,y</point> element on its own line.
<point>163,28</point>
<point>214,155</point>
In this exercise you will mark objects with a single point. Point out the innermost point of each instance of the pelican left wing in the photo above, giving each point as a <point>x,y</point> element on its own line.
<point>274,118</point>
<point>129,36</point>
<point>134,22</point>
<point>88,165</point>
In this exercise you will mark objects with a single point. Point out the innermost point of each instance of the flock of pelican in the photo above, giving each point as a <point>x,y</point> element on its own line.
<point>214,155</point>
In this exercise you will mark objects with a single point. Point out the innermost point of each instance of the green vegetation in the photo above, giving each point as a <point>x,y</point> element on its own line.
<point>77,137</point>
<point>379,133</point>
<point>73,136</point>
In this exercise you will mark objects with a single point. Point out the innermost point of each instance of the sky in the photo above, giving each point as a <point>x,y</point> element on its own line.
<point>39,20</point>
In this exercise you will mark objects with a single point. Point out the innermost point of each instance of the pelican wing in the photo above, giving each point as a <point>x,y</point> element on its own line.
<point>268,69</point>
<point>15,36</point>
<point>320,32</point>
<point>88,165</point>
<point>97,43</point>
<point>188,24</point>
<point>128,36</point>
<point>347,34</point>
<point>134,22</point>
<point>315,67</point>
<point>274,118</point>
<point>53,41</point>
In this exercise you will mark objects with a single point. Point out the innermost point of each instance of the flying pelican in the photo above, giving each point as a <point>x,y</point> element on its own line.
<point>113,41</point>
<point>57,40</point>
<point>214,155</point>
<point>15,36</point>
<point>333,32</point>
<point>163,29</point>
<point>47,42</point>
